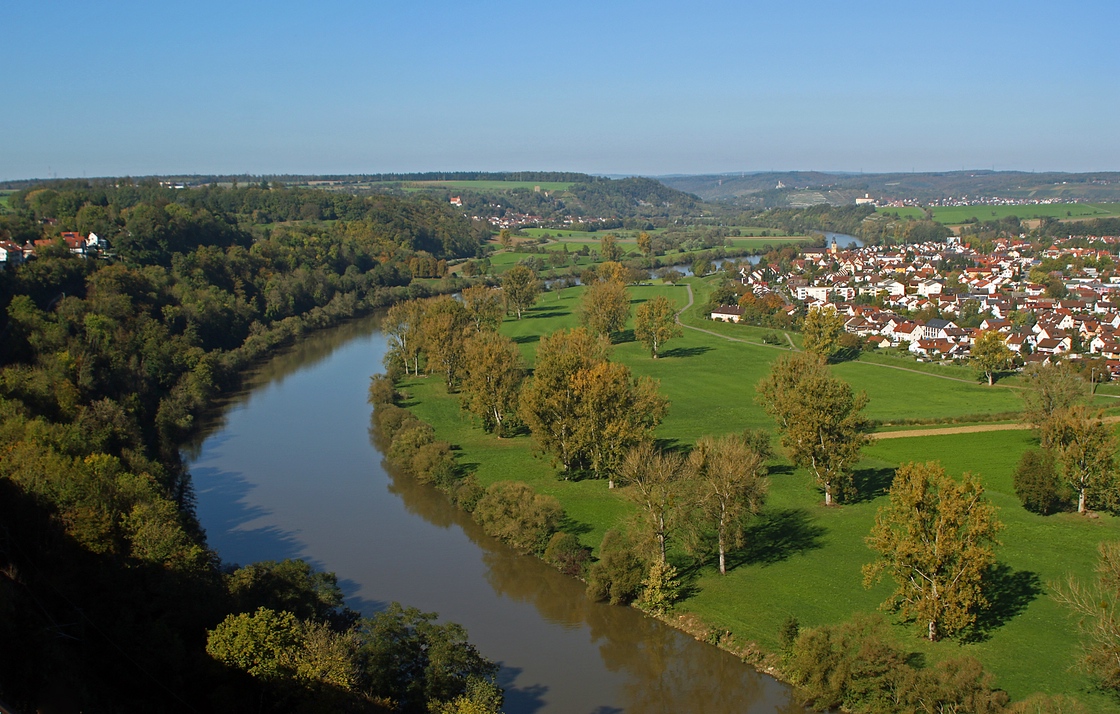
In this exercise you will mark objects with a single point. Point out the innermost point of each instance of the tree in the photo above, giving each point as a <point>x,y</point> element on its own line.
<point>549,401</point>
<point>609,249</point>
<point>493,370</point>
<point>614,412</point>
<point>505,238</point>
<point>655,481</point>
<point>515,513</point>
<point>730,482</point>
<point>444,327</point>
<point>618,573</point>
<point>822,330</point>
<point>604,307</point>
<point>1086,449</point>
<point>1036,482</point>
<point>645,244</point>
<point>1051,389</point>
<point>819,418</point>
<point>935,539</point>
<point>403,325</point>
<point>521,288</point>
<point>1098,606</point>
<point>701,266</point>
<point>991,354</point>
<point>484,306</point>
<point>655,323</point>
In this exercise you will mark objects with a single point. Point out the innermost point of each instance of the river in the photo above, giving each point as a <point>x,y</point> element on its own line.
<point>288,470</point>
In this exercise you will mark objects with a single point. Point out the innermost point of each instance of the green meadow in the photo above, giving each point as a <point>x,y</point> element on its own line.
<point>959,214</point>
<point>801,558</point>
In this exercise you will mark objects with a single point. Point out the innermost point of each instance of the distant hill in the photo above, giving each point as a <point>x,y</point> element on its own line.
<point>799,188</point>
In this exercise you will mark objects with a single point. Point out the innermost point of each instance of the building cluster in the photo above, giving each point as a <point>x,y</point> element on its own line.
<point>921,297</point>
<point>12,253</point>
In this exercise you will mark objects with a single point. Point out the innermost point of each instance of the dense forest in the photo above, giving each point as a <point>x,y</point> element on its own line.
<point>110,599</point>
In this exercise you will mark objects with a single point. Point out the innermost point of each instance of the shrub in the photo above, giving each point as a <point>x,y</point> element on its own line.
<point>565,553</point>
<point>466,493</point>
<point>433,463</point>
<point>407,441</point>
<point>381,390</point>
<point>660,589</point>
<point>617,575</point>
<point>518,515</point>
<point>1037,483</point>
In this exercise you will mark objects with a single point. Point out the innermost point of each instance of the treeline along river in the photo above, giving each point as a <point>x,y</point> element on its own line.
<point>289,470</point>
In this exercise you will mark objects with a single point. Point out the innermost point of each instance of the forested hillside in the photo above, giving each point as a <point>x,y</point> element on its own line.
<point>109,598</point>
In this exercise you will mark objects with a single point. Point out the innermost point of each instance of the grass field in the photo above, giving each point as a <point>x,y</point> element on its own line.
<point>803,559</point>
<point>952,215</point>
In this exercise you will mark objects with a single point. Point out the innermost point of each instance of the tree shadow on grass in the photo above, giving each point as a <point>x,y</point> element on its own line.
<point>779,470</point>
<point>1009,592</point>
<point>686,352</point>
<point>622,337</point>
<point>776,536</point>
<point>574,527</point>
<point>870,484</point>
<point>527,339</point>
<point>543,315</point>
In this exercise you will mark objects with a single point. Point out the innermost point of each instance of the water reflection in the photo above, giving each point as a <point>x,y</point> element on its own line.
<point>665,670</point>
<point>288,471</point>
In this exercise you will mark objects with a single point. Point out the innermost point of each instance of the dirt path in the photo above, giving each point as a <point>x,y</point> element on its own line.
<point>974,429</point>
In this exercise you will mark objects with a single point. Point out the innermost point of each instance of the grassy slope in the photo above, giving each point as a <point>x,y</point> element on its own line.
<point>804,559</point>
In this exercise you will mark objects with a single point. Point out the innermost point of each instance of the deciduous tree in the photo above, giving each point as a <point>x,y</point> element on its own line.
<point>819,418</point>
<point>604,307</point>
<point>521,288</point>
<point>990,354</point>
<point>730,486</point>
<point>655,323</point>
<point>614,412</point>
<point>609,249</point>
<point>935,539</point>
<point>403,325</point>
<point>655,481</point>
<point>1098,607</point>
<point>493,370</point>
<point>1086,448</point>
<point>822,329</point>
<point>549,401</point>
<point>445,324</point>
<point>484,305</point>
<point>1051,388</point>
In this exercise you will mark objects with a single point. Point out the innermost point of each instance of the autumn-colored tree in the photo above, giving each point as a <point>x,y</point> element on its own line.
<point>645,245</point>
<point>730,481</point>
<point>990,354</point>
<point>822,329</point>
<point>609,249</point>
<point>403,325</point>
<point>493,370</point>
<point>935,539</point>
<point>445,328</point>
<point>655,323</point>
<point>548,403</point>
<point>819,418</point>
<point>604,307</point>
<point>505,238</point>
<point>655,481</point>
<point>484,306</point>
<point>614,271</point>
<point>614,412</point>
<point>520,288</point>
<point>1086,448</point>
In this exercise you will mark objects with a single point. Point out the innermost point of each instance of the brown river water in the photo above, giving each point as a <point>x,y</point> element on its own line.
<point>288,470</point>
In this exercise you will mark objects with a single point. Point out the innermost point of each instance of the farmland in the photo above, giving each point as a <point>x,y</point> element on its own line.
<point>952,215</point>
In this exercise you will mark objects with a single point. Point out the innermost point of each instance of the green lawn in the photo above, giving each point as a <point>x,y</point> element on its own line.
<point>802,558</point>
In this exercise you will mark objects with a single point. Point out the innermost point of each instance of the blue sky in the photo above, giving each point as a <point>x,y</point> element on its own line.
<point>114,88</point>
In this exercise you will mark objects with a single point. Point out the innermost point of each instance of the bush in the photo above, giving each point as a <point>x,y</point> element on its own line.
<point>1037,483</point>
<point>854,666</point>
<point>381,390</point>
<point>518,515</point>
<point>466,493</point>
<point>565,553</point>
<point>433,463</point>
<point>772,338</point>
<point>661,589</point>
<point>617,575</point>
<point>407,441</point>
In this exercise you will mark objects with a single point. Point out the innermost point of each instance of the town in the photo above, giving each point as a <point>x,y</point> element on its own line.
<point>934,299</point>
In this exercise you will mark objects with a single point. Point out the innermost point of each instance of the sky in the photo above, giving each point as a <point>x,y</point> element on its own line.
<point>613,87</point>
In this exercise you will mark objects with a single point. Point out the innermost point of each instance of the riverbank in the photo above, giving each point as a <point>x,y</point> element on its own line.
<point>801,559</point>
